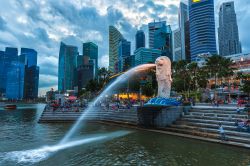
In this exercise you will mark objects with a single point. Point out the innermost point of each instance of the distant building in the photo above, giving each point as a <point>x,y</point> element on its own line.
<point>31,56</point>
<point>15,81</point>
<point>146,55</point>
<point>79,60</point>
<point>67,67</point>
<point>202,28</point>
<point>183,23</point>
<point>228,34</point>
<point>91,50</point>
<point>2,74</point>
<point>139,39</point>
<point>114,37</point>
<point>177,46</point>
<point>124,48</point>
<point>160,37</point>
<point>31,82</point>
<point>85,73</point>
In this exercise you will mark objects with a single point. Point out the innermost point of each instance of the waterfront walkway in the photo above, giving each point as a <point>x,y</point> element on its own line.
<point>200,122</point>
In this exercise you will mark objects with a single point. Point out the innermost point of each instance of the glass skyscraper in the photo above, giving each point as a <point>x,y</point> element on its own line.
<point>146,55</point>
<point>124,51</point>
<point>228,34</point>
<point>91,50</point>
<point>139,39</point>
<point>67,67</point>
<point>202,28</point>
<point>2,73</point>
<point>114,37</point>
<point>31,56</point>
<point>31,82</point>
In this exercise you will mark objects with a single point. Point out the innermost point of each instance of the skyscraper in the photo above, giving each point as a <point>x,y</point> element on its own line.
<point>183,21</point>
<point>91,50</point>
<point>31,56</point>
<point>114,37</point>
<point>67,67</point>
<point>228,34</point>
<point>2,74</point>
<point>31,82</point>
<point>202,28</point>
<point>160,37</point>
<point>177,49</point>
<point>146,55</point>
<point>124,51</point>
<point>139,39</point>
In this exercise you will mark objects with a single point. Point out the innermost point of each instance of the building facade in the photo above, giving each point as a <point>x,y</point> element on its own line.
<point>228,34</point>
<point>31,82</point>
<point>67,67</point>
<point>84,74</point>
<point>90,49</point>
<point>202,28</point>
<point>2,74</point>
<point>139,39</point>
<point>31,56</point>
<point>114,37</point>
<point>177,45</point>
<point>124,48</point>
<point>146,55</point>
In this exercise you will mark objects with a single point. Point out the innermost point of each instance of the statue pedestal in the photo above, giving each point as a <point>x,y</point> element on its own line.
<point>151,116</point>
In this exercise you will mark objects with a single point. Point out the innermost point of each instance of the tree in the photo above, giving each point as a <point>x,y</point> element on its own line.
<point>148,89</point>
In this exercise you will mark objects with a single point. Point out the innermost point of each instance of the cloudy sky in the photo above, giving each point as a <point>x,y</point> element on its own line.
<point>42,24</point>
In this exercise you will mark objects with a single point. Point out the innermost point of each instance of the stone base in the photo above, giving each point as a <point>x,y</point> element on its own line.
<point>158,116</point>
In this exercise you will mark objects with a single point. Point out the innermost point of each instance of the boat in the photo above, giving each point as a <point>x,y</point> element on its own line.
<point>10,107</point>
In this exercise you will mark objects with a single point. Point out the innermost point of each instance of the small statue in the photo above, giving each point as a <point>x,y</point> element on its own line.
<point>163,76</point>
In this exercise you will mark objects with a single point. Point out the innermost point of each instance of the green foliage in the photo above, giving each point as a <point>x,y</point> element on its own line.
<point>148,89</point>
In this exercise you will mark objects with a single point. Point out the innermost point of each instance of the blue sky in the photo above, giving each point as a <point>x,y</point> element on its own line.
<point>42,24</point>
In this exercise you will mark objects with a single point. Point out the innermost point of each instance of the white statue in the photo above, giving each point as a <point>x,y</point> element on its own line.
<point>163,76</point>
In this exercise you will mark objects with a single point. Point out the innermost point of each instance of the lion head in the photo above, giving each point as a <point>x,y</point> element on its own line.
<point>163,68</point>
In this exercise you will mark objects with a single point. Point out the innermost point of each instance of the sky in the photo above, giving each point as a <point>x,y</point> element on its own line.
<point>43,24</point>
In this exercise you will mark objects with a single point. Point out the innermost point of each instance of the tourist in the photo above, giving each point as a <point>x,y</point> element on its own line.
<point>238,110</point>
<point>222,133</point>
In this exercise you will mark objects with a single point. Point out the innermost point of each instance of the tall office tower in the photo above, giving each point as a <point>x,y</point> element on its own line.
<point>124,48</point>
<point>91,50</point>
<point>9,56</point>
<point>183,21</point>
<point>177,49</point>
<point>114,37</point>
<point>2,74</point>
<point>160,37</point>
<point>31,56</point>
<point>67,67</point>
<point>228,34</point>
<point>139,39</point>
<point>202,28</point>
<point>146,55</point>
<point>15,81</point>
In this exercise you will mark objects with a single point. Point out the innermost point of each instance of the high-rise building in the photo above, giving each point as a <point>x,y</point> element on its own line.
<point>183,21</point>
<point>114,37</point>
<point>124,48</point>
<point>139,39</point>
<point>91,50</point>
<point>85,73</point>
<point>177,49</point>
<point>67,67</point>
<point>15,81</point>
<point>79,60</point>
<point>31,56</point>
<point>202,28</point>
<point>31,82</point>
<point>146,55</point>
<point>228,34</point>
<point>2,73</point>
<point>160,37</point>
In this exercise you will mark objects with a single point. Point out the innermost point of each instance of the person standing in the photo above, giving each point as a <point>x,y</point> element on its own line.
<point>222,133</point>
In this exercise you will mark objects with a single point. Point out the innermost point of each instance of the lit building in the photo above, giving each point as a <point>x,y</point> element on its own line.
<point>67,66</point>
<point>228,34</point>
<point>177,49</point>
<point>146,55</point>
<point>139,39</point>
<point>202,28</point>
<point>90,49</point>
<point>114,37</point>
<point>124,48</point>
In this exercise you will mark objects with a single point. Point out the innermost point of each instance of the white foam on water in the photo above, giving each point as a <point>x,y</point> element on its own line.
<point>36,155</point>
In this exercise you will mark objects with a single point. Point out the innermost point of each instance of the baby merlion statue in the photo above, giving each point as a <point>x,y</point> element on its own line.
<point>163,76</point>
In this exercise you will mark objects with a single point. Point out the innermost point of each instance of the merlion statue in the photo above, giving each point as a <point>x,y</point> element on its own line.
<point>163,76</point>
